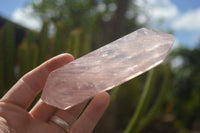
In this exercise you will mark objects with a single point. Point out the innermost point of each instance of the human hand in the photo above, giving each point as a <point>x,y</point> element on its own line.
<point>15,119</point>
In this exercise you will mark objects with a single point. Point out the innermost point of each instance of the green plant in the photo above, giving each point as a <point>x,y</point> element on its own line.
<point>142,105</point>
<point>7,43</point>
<point>144,113</point>
<point>44,42</point>
<point>2,60</point>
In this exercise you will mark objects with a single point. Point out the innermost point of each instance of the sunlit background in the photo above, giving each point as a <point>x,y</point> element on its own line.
<point>181,16</point>
<point>45,28</point>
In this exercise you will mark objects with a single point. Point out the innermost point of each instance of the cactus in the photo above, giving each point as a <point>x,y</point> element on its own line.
<point>33,51</point>
<point>70,45</point>
<point>58,40</point>
<point>159,100</point>
<point>142,105</point>
<point>2,54</point>
<point>86,44</point>
<point>28,54</point>
<point>9,57</point>
<point>33,56</point>
<point>73,45</point>
<point>43,43</point>
<point>23,58</point>
<point>144,115</point>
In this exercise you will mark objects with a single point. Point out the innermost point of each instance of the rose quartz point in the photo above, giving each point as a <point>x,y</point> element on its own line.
<point>106,67</point>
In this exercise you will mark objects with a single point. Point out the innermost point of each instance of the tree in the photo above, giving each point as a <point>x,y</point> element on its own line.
<point>105,19</point>
<point>186,92</point>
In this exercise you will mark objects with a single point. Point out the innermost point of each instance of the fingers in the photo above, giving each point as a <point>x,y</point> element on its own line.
<point>42,111</point>
<point>36,79</point>
<point>91,115</point>
<point>25,90</point>
<point>71,115</point>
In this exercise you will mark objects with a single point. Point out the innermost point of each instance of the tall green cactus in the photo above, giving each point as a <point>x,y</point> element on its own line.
<point>9,57</point>
<point>144,115</point>
<point>33,50</point>
<point>58,40</point>
<point>28,54</point>
<point>33,56</point>
<point>23,58</point>
<point>143,103</point>
<point>44,43</point>
<point>73,43</point>
<point>85,44</point>
<point>166,71</point>
<point>2,54</point>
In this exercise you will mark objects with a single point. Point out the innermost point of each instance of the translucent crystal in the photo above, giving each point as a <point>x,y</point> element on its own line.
<point>106,67</point>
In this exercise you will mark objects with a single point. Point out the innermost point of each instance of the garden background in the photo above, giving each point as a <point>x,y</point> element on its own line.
<point>164,100</point>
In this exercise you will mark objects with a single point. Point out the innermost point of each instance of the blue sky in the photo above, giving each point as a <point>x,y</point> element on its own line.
<point>7,7</point>
<point>182,16</point>
<point>186,5</point>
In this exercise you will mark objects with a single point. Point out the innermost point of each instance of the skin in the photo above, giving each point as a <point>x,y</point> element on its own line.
<point>15,119</point>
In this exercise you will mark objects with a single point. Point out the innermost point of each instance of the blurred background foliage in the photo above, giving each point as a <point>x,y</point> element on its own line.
<point>164,100</point>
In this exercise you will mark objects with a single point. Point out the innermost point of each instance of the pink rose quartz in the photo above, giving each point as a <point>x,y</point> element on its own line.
<point>106,67</point>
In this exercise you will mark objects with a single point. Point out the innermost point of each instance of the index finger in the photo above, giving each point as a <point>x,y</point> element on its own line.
<point>25,90</point>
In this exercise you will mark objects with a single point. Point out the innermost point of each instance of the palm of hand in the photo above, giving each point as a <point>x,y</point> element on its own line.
<point>17,120</point>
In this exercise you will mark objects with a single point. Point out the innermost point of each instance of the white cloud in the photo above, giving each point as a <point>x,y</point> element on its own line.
<point>164,15</point>
<point>189,21</point>
<point>165,10</point>
<point>168,12</point>
<point>159,14</point>
<point>24,17</point>
<point>158,9</point>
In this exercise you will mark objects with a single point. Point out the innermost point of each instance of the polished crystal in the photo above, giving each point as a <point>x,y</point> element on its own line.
<point>106,67</point>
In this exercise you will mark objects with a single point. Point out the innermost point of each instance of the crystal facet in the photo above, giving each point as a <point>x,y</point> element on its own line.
<point>106,67</point>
